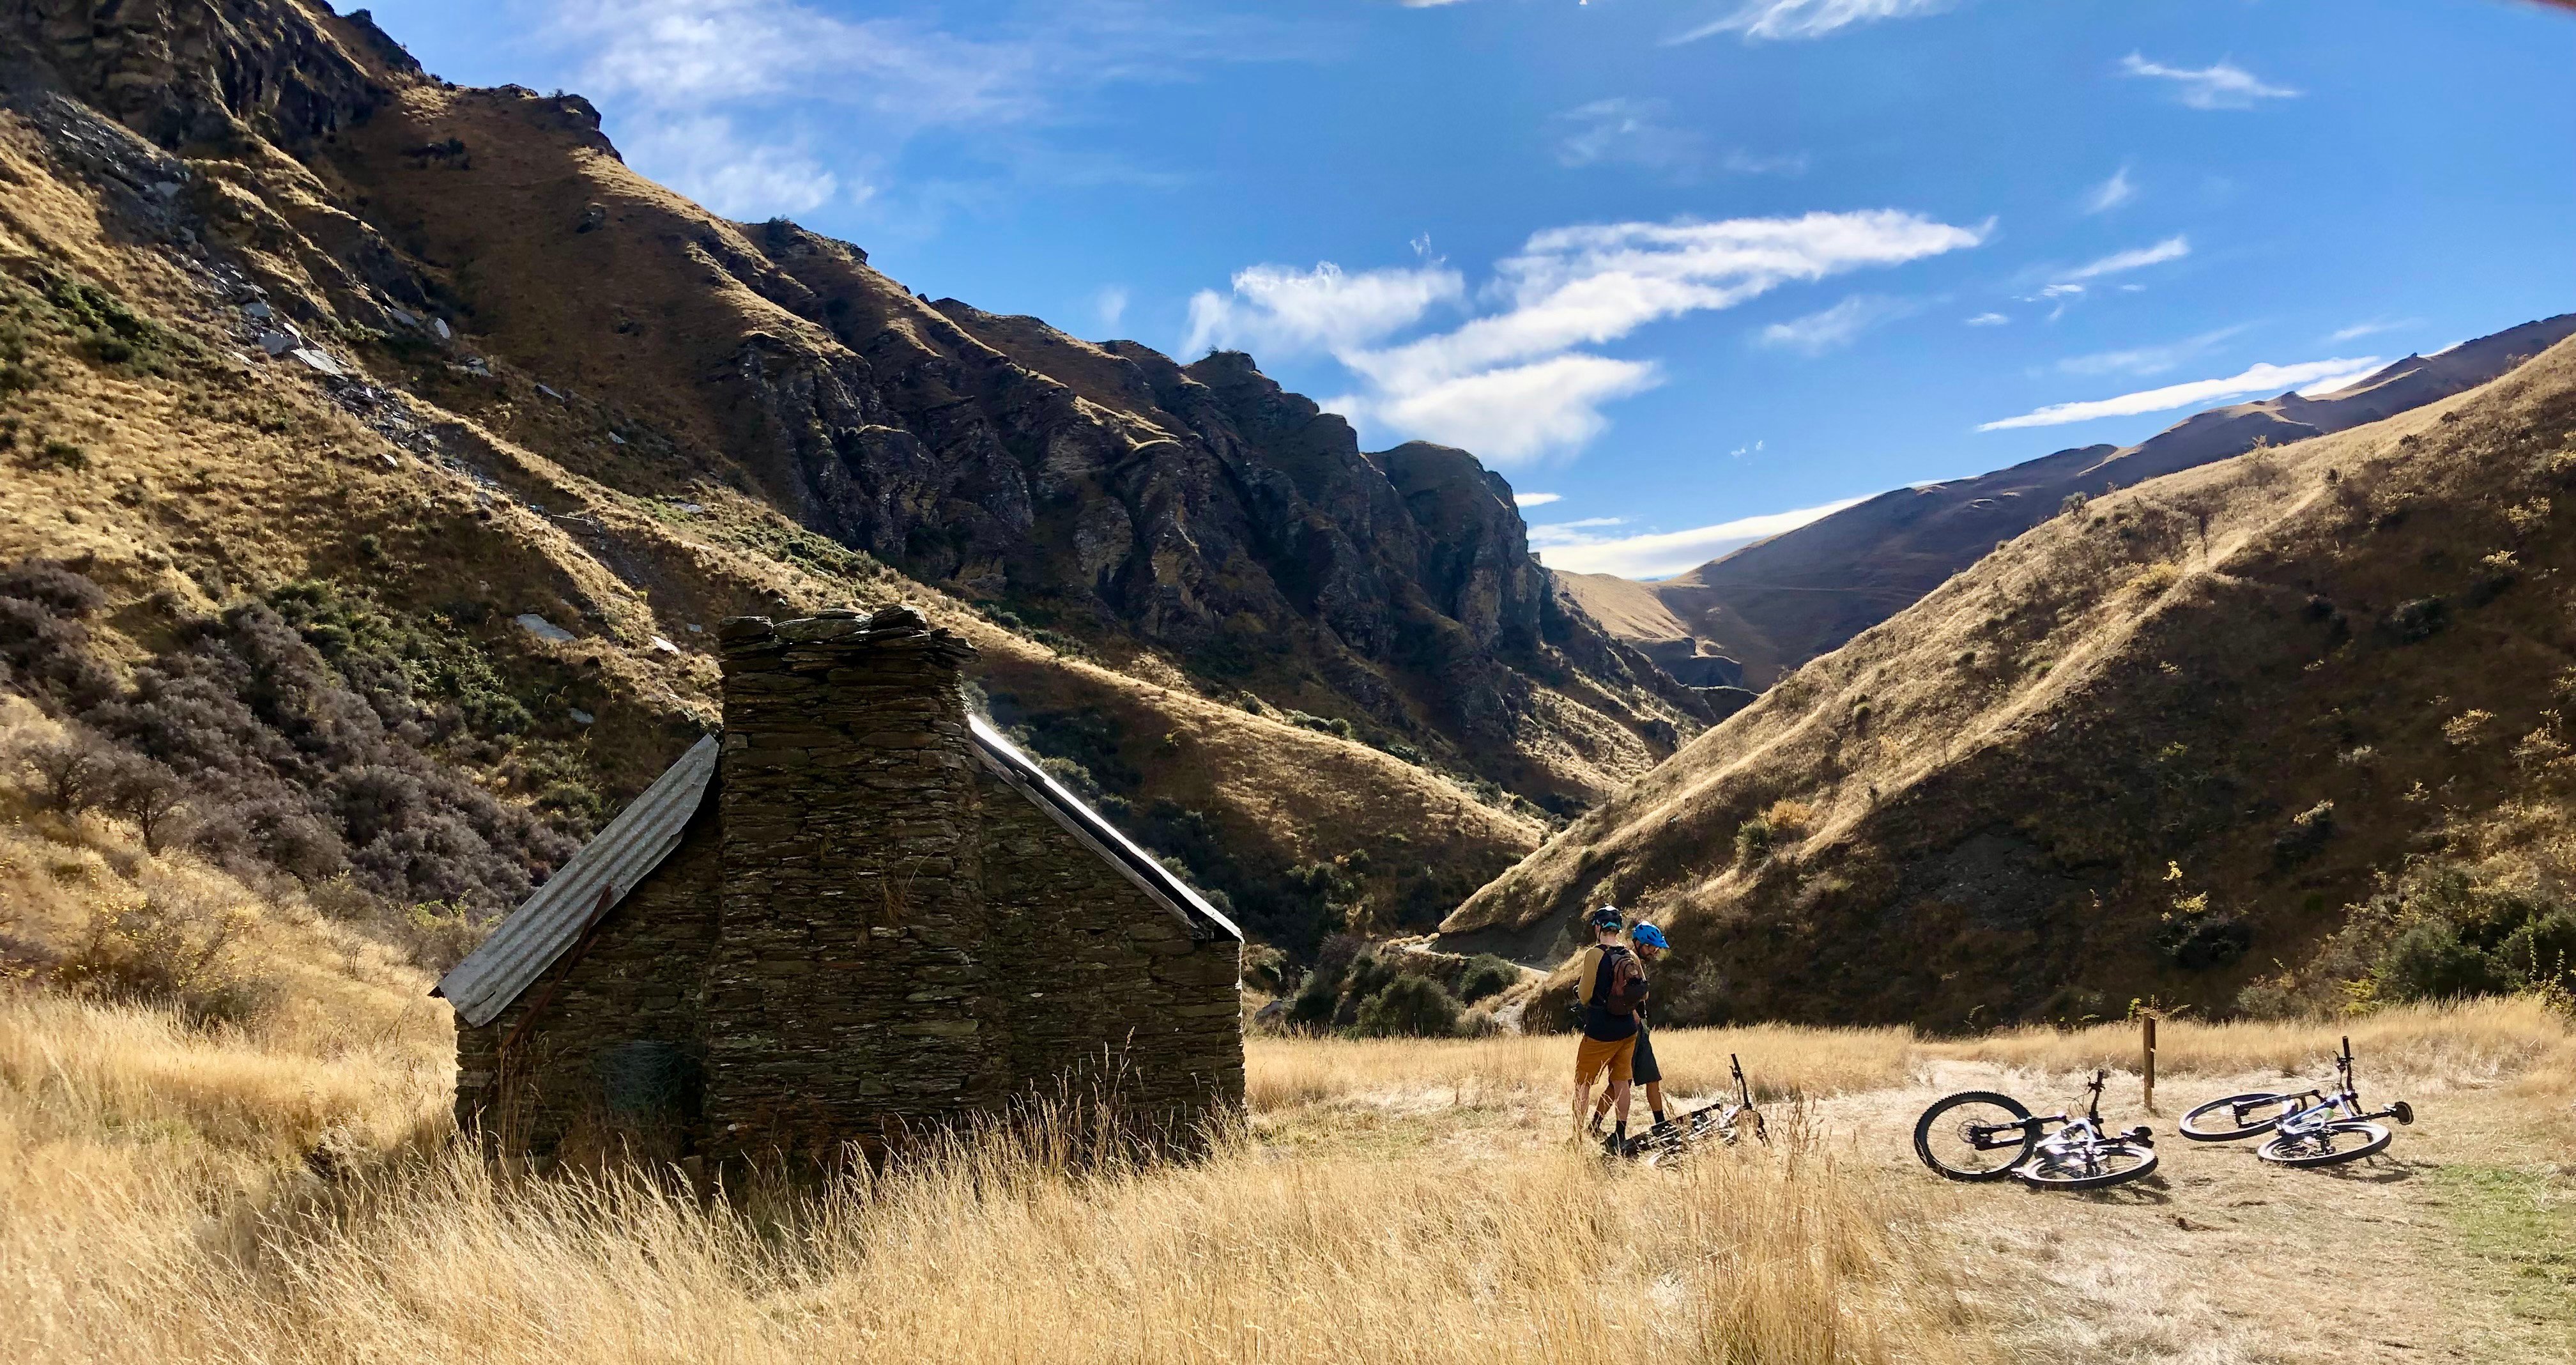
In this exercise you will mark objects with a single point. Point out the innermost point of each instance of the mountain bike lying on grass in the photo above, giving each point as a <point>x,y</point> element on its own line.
<point>2309,1128</point>
<point>1728,1121</point>
<point>1982,1135</point>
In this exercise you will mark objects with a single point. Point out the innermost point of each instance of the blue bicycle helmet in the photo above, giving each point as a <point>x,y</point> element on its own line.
<point>1648,936</point>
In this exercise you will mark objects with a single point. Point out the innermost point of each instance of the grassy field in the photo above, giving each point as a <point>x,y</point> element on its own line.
<point>283,1191</point>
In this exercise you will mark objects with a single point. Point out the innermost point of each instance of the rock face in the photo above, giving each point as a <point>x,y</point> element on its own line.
<point>1777,604</point>
<point>1125,501</point>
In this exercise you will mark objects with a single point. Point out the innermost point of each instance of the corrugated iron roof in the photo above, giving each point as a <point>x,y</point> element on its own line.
<point>1146,871</point>
<point>538,932</point>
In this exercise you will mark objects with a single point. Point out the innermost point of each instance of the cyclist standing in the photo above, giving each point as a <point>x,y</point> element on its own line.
<point>1612,987</point>
<point>1650,945</point>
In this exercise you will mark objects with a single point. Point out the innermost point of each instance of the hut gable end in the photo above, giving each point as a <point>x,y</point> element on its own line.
<point>856,916</point>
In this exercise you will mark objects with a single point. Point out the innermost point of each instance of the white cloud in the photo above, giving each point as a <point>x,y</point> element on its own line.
<point>1988,320</point>
<point>707,160</point>
<point>1835,327</point>
<point>1635,132</point>
<point>1276,308</point>
<point>1741,451</point>
<point>1661,554</point>
<point>2221,85</point>
<point>688,54</point>
<point>2111,193</point>
<point>2315,376</point>
<point>1626,131</point>
<point>1110,304</point>
<point>1513,383</point>
<point>1536,499</point>
<point>2170,249</point>
<point>2371,328</point>
<point>1778,19</point>
<point>2146,360</point>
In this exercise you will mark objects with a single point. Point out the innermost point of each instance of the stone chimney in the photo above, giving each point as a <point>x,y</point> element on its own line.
<point>846,996</point>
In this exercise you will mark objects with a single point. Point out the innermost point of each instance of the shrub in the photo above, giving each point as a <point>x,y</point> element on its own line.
<point>2429,961</point>
<point>1753,840</point>
<point>71,774</point>
<point>1409,1007</point>
<point>1316,1000</point>
<point>437,935</point>
<point>1486,975</point>
<point>170,952</point>
<point>2540,954</point>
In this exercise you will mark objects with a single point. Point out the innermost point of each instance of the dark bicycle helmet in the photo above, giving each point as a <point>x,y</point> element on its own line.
<point>1608,917</point>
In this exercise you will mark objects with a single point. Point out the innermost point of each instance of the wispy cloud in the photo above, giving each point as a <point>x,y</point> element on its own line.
<point>2170,249</point>
<point>2371,328</point>
<point>1760,20</point>
<point>736,176</point>
<point>1642,133</point>
<point>1988,320</point>
<point>2220,85</point>
<point>2315,376</point>
<point>1536,499</point>
<point>1577,548</point>
<point>2147,360</point>
<point>816,104</point>
<point>2111,193</point>
<point>1741,451</point>
<point>1515,382</point>
<point>1110,305</point>
<point>1836,327</point>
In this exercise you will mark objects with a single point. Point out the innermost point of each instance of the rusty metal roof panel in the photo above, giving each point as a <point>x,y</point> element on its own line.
<point>1085,824</point>
<point>622,855</point>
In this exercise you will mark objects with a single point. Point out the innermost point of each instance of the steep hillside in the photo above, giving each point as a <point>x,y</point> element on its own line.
<point>291,332</point>
<point>2292,722</point>
<point>1775,605</point>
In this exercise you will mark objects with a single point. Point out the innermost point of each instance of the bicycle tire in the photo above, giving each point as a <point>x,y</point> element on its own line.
<point>2039,1176</point>
<point>2006,1158</point>
<point>2281,1151</point>
<point>2193,1128</point>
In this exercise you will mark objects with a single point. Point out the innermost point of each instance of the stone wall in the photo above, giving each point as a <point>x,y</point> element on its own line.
<point>846,997</point>
<point>864,936</point>
<point>615,1060</point>
<point>1108,990</point>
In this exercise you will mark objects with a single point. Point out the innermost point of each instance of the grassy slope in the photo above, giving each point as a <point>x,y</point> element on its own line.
<point>2002,793</point>
<point>220,474</point>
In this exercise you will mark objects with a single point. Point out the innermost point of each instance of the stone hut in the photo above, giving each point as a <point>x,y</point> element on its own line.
<point>858,915</point>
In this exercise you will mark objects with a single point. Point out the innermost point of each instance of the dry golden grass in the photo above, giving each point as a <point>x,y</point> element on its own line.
<point>2484,1039</point>
<point>154,1205</point>
<point>159,1201</point>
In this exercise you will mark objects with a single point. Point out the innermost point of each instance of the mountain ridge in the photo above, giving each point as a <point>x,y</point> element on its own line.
<point>1775,604</point>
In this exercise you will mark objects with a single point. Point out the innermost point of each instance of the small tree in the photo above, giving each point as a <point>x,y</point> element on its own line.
<point>72,773</point>
<point>1409,1007</point>
<point>147,794</point>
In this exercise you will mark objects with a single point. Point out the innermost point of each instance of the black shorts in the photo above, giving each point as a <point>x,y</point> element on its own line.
<point>1644,1069</point>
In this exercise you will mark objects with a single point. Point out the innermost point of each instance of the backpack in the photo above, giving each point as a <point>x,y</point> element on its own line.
<point>1627,979</point>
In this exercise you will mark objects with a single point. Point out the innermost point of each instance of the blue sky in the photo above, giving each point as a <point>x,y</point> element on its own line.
<point>1684,270</point>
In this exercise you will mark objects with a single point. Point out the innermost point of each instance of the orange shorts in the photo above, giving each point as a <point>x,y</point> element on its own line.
<point>1593,1054</point>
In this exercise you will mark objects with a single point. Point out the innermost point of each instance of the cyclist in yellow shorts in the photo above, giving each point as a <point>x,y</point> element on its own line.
<point>1612,987</point>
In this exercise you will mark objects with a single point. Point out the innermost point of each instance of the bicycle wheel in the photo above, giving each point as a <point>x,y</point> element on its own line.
<point>1948,1135</point>
<point>2237,1116</point>
<point>2343,1140</point>
<point>2112,1161</point>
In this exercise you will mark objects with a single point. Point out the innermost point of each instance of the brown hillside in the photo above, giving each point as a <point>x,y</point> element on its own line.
<point>1775,605</point>
<point>595,456</point>
<point>2152,748</point>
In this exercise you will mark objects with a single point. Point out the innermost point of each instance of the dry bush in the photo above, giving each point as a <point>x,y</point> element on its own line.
<point>169,949</point>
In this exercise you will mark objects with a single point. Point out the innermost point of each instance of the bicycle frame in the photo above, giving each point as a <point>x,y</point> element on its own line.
<point>2072,1137</point>
<point>2315,1120</point>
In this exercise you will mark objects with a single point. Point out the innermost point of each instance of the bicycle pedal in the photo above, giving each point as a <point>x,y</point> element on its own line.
<point>2142,1135</point>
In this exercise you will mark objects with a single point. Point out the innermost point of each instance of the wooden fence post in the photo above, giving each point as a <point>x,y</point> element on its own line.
<point>2147,1028</point>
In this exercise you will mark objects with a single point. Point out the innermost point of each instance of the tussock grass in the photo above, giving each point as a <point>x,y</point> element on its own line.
<point>153,1206</point>
<point>2481,1039</point>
